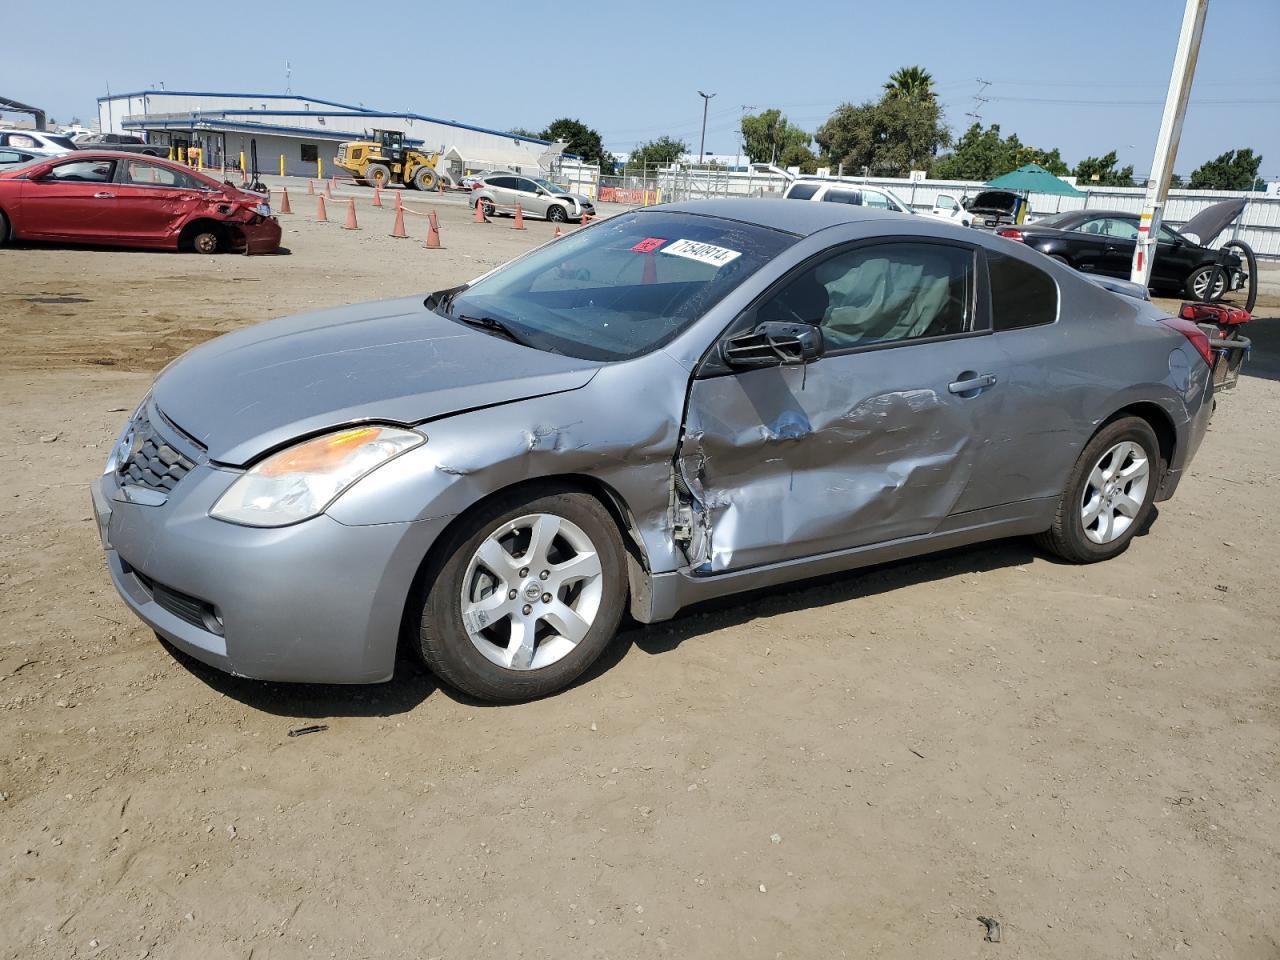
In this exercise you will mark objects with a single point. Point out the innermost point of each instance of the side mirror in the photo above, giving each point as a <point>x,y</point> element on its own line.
<point>774,343</point>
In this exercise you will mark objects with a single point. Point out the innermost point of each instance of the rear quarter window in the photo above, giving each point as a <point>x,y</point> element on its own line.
<point>801,191</point>
<point>1021,295</point>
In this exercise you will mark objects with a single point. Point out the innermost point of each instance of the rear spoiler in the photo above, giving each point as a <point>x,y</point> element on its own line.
<point>1126,288</point>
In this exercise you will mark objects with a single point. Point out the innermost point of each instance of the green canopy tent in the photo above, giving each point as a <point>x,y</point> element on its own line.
<point>1027,180</point>
<point>1034,178</point>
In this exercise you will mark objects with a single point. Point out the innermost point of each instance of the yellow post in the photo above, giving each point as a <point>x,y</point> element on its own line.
<point>182,154</point>
<point>319,168</point>
<point>242,160</point>
<point>171,151</point>
<point>282,164</point>
<point>200,161</point>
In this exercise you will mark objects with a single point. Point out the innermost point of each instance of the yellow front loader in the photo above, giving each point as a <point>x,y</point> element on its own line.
<point>387,160</point>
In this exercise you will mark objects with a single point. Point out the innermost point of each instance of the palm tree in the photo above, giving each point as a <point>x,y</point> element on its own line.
<point>910,83</point>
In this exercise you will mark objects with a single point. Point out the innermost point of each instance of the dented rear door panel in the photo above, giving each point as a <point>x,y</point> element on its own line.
<point>853,449</point>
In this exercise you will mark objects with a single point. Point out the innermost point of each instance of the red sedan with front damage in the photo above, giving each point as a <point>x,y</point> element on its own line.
<point>127,200</point>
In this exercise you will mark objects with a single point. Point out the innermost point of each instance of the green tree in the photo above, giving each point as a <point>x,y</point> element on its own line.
<point>910,83</point>
<point>982,154</point>
<point>769,136</point>
<point>1102,171</point>
<point>661,152</point>
<point>582,140</point>
<point>525,132</point>
<point>1234,170</point>
<point>888,138</point>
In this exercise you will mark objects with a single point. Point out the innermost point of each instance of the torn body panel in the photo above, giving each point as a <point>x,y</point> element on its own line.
<point>857,448</point>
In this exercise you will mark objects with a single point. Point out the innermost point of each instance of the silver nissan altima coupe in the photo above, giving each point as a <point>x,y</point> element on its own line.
<point>674,404</point>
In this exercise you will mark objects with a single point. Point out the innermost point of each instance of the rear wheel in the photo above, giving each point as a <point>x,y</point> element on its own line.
<point>377,175</point>
<point>1109,495</point>
<point>527,596</point>
<point>425,179</point>
<point>4,227</point>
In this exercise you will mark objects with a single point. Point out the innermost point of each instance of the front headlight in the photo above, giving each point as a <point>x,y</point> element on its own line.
<point>120,449</point>
<point>263,209</point>
<point>300,482</point>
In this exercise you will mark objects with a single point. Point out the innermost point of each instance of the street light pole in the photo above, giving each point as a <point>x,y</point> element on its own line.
<point>1175,108</point>
<point>702,144</point>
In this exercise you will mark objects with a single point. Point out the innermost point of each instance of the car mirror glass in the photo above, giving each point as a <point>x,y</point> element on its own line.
<point>774,343</point>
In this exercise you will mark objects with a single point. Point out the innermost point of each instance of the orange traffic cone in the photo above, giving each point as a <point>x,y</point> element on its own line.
<point>399,201</point>
<point>351,215</point>
<point>519,224</point>
<point>584,219</point>
<point>433,232</point>
<point>480,217</point>
<point>377,195</point>
<point>311,189</point>
<point>328,189</point>
<point>284,201</point>
<point>398,230</point>
<point>320,214</point>
<point>557,233</point>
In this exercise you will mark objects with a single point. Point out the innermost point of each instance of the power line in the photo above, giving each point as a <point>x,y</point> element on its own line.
<point>979,100</point>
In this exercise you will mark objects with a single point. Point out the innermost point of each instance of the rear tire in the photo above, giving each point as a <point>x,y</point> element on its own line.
<point>4,228</point>
<point>377,175</point>
<point>425,179</point>
<point>497,551</point>
<point>1116,476</point>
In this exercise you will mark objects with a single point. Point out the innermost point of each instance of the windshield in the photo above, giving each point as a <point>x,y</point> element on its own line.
<point>64,142</point>
<point>548,185</point>
<point>623,287</point>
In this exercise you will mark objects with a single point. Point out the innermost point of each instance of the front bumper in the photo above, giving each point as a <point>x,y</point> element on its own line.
<point>316,602</point>
<point>261,237</point>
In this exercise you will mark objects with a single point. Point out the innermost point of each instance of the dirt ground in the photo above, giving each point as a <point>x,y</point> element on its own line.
<point>858,767</point>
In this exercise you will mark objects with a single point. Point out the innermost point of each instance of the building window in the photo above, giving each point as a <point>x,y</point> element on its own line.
<point>309,152</point>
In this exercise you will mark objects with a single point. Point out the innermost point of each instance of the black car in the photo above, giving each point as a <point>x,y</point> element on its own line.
<point>1102,242</point>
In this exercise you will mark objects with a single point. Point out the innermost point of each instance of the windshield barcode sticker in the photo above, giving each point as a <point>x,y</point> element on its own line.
<point>702,252</point>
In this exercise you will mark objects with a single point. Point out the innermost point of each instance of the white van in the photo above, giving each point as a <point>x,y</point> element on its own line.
<point>945,207</point>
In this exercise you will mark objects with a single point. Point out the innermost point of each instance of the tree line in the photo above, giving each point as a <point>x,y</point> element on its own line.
<point>903,130</point>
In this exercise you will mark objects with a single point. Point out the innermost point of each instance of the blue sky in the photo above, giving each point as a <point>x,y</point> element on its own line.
<point>1086,78</point>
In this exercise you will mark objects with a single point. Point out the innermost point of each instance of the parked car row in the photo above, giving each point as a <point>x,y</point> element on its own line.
<point>18,146</point>
<point>878,198</point>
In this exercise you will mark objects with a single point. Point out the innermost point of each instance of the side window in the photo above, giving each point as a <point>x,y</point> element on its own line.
<point>877,200</point>
<point>89,171</point>
<point>882,293</point>
<point>802,191</point>
<point>503,183</point>
<point>13,156</point>
<point>1021,295</point>
<point>20,140</point>
<point>308,152</point>
<point>526,186</point>
<point>152,174</point>
<point>843,196</point>
<point>1167,235</point>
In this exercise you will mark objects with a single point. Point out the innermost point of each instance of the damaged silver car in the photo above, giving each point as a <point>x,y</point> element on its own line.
<point>674,404</point>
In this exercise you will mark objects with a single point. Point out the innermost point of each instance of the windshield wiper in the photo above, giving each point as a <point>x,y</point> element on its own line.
<point>492,324</point>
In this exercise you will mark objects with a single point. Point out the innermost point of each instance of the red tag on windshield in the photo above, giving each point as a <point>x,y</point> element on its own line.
<point>648,245</point>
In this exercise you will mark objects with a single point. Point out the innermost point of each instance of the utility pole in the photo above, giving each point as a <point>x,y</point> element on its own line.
<point>742,137</point>
<point>702,144</point>
<point>979,100</point>
<point>1175,108</point>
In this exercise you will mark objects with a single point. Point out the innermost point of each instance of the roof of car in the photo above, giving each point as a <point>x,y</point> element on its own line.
<point>1091,213</point>
<point>799,217</point>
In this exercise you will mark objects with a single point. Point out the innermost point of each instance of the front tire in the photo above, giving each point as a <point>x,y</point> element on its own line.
<point>1198,283</point>
<point>557,213</point>
<point>4,228</point>
<point>425,179</point>
<point>1109,495</point>
<point>206,242</point>
<point>528,592</point>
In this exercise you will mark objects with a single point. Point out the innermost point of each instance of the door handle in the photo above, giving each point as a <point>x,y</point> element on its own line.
<point>973,383</point>
<point>104,196</point>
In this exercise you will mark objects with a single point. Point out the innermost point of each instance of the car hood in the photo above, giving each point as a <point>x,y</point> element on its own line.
<point>393,361</point>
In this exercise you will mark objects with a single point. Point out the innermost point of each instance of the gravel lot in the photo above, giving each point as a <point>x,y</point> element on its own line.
<point>857,767</point>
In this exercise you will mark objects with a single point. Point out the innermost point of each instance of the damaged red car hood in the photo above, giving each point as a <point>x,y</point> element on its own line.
<point>394,361</point>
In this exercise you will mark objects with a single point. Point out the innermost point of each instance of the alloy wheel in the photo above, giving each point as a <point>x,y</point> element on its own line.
<point>531,592</point>
<point>1115,492</point>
